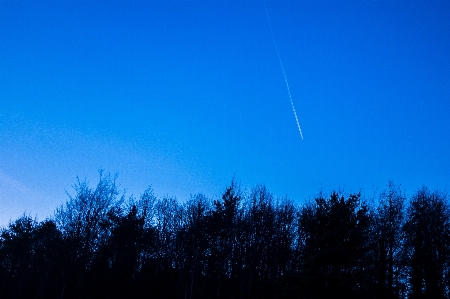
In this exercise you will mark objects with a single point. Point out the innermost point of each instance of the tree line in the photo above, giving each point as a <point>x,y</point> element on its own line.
<point>244,245</point>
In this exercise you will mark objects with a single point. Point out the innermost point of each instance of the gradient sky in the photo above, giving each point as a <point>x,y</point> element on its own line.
<point>184,95</point>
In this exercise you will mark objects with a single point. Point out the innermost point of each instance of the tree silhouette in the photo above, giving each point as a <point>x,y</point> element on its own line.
<point>194,242</point>
<point>85,223</point>
<point>31,259</point>
<point>17,259</point>
<point>335,233</point>
<point>391,276</point>
<point>223,230</point>
<point>125,259</point>
<point>427,243</point>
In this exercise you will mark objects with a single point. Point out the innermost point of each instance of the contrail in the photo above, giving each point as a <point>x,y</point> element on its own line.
<point>282,68</point>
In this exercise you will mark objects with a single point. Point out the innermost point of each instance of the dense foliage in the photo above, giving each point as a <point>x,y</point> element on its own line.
<point>244,245</point>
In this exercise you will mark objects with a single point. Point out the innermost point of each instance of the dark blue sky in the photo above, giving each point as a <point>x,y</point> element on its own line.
<point>184,95</point>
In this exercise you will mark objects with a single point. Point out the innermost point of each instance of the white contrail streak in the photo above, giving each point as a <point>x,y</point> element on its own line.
<point>282,68</point>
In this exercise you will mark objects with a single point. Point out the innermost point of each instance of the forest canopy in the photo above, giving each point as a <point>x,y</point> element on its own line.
<point>246,244</point>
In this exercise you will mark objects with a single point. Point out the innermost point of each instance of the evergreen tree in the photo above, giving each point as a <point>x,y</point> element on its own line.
<point>335,232</point>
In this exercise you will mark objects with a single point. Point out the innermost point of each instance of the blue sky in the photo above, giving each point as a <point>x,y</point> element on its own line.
<point>184,95</point>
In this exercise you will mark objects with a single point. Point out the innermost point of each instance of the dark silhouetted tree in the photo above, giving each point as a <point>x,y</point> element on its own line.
<point>389,240</point>
<point>17,259</point>
<point>168,223</point>
<point>259,247</point>
<point>427,241</point>
<point>223,232</point>
<point>125,247</point>
<point>194,243</point>
<point>85,223</point>
<point>31,259</point>
<point>335,233</point>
